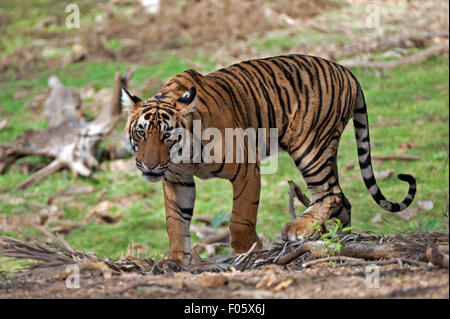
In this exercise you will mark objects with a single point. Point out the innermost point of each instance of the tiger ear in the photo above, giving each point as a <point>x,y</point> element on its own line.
<point>129,101</point>
<point>189,99</point>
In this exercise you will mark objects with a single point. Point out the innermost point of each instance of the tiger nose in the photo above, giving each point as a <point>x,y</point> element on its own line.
<point>149,166</point>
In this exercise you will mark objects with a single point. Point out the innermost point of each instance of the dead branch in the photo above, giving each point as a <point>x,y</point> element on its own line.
<point>332,259</point>
<point>70,141</point>
<point>51,168</point>
<point>63,103</point>
<point>206,219</point>
<point>412,59</point>
<point>354,250</point>
<point>210,249</point>
<point>69,192</point>
<point>348,261</point>
<point>65,226</point>
<point>301,197</point>
<point>55,237</point>
<point>221,237</point>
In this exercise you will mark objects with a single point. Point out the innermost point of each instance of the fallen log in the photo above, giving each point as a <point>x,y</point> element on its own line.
<point>353,250</point>
<point>349,261</point>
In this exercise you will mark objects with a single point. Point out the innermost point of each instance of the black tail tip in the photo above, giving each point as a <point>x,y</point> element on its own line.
<point>407,178</point>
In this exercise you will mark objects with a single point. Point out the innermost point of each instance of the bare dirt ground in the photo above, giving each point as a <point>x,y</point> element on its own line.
<point>271,282</point>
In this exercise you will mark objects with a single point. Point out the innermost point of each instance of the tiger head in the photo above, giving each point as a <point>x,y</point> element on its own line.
<point>151,130</point>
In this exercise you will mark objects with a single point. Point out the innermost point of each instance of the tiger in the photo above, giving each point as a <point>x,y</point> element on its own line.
<point>308,99</point>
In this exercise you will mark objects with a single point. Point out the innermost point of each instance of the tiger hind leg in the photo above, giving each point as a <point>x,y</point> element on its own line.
<point>327,200</point>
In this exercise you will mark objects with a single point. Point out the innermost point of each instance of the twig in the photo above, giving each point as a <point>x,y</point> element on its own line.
<point>297,252</point>
<point>244,256</point>
<point>217,238</point>
<point>204,219</point>
<point>332,258</point>
<point>281,253</point>
<point>70,191</point>
<point>348,261</point>
<point>51,168</point>
<point>301,197</point>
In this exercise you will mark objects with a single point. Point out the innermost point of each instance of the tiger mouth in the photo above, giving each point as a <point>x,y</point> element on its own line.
<point>149,174</point>
<point>153,177</point>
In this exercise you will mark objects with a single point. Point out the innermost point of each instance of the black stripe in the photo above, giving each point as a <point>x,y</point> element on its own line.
<point>236,78</point>
<point>237,173</point>
<point>184,184</point>
<point>242,191</point>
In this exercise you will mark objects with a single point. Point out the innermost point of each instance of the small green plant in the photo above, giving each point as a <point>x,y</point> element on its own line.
<point>4,280</point>
<point>332,238</point>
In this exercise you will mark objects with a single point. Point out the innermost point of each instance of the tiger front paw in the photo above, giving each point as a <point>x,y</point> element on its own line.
<point>300,229</point>
<point>180,256</point>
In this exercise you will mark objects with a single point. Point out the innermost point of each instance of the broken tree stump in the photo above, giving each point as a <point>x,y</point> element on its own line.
<point>70,140</point>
